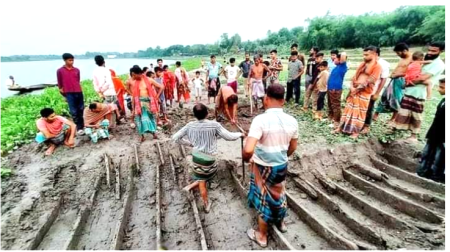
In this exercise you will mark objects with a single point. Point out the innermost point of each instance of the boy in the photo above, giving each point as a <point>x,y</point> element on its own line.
<point>54,130</point>
<point>162,99</point>
<point>198,84</point>
<point>295,71</point>
<point>69,86</point>
<point>313,70</point>
<point>320,90</point>
<point>432,163</point>
<point>275,66</point>
<point>414,71</point>
<point>232,73</point>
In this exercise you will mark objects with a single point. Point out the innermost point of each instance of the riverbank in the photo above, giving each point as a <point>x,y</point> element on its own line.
<point>19,113</point>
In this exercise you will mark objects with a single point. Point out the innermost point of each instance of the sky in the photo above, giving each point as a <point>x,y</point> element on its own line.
<point>55,26</point>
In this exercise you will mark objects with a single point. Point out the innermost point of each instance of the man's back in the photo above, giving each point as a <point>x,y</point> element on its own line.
<point>274,130</point>
<point>203,135</point>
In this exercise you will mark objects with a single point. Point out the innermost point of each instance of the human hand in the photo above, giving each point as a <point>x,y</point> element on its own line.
<point>375,97</point>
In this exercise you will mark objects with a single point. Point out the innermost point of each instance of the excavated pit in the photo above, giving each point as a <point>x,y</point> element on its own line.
<point>348,196</point>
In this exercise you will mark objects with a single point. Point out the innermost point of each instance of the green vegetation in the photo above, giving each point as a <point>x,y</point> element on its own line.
<point>416,25</point>
<point>5,172</point>
<point>189,64</point>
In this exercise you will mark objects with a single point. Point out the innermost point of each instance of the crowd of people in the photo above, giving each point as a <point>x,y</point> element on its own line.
<point>272,137</point>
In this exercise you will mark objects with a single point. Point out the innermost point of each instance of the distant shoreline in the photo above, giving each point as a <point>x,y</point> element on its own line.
<point>92,58</point>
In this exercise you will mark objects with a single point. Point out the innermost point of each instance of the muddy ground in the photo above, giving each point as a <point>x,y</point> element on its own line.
<point>349,196</point>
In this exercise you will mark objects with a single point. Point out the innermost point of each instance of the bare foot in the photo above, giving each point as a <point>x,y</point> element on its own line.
<point>155,136</point>
<point>354,136</point>
<point>50,150</point>
<point>142,139</point>
<point>365,131</point>
<point>412,139</point>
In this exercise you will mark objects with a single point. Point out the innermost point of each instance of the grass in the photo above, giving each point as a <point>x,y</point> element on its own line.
<point>190,64</point>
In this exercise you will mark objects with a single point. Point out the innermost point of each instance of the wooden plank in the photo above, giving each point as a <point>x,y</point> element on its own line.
<point>136,156</point>
<point>117,168</point>
<point>108,170</point>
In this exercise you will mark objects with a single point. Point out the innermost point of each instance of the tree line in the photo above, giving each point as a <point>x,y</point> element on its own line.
<point>415,25</point>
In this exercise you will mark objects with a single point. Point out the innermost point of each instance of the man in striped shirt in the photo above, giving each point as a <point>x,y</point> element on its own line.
<point>202,135</point>
<point>272,138</point>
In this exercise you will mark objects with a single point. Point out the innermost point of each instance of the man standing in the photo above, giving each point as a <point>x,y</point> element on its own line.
<point>432,163</point>
<point>255,79</point>
<point>245,69</point>
<point>271,140</point>
<point>68,78</point>
<point>311,67</point>
<point>232,73</point>
<point>393,93</point>
<point>162,99</point>
<point>301,57</point>
<point>212,78</point>
<point>103,83</point>
<point>334,89</point>
<point>182,83</point>
<point>331,60</point>
<point>361,88</point>
<point>385,66</point>
<point>145,102</point>
<point>160,64</point>
<point>275,66</point>
<point>169,85</point>
<point>313,70</point>
<point>410,115</point>
<point>202,135</point>
<point>295,71</point>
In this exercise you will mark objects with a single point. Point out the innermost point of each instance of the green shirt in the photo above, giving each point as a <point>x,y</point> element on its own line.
<point>435,68</point>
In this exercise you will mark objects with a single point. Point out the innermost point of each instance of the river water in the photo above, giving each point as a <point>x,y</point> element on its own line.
<point>37,72</point>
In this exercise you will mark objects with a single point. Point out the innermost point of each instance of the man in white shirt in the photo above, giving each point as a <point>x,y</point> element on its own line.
<point>232,73</point>
<point>103,83</point>
<point>385,66</point>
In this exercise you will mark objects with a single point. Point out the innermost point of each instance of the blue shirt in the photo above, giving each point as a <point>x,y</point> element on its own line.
<point>214,70</point>
<point>336,79</point>
<point>331,65</point>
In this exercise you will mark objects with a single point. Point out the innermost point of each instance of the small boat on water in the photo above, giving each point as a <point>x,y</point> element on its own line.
<point>31,88</point>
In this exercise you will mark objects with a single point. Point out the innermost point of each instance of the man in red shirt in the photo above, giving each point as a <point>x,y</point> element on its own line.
<point>69,86</point>
<point>169,82</point>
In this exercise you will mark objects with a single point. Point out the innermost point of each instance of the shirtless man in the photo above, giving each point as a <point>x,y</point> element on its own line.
<point>391,103</point>
<point>256,79</point>
<point>145,102</point>
<point>226,103</point>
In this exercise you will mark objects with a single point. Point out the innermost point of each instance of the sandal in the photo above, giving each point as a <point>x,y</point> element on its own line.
<point>251,233</point>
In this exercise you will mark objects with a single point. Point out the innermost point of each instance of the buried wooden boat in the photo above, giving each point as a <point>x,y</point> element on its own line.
<point>26,89</point>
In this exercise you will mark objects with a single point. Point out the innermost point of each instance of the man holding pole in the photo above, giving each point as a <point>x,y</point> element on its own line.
<point>202,135</point>
<point>272,138</point>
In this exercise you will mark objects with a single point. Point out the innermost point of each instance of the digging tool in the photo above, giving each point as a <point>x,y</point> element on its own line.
<point>242,149</point>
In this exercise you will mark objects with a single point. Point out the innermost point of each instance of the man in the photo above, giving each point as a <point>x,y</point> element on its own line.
<point>54,130</point>
<point>182,79</point>
<point>385,66</point>
<point>232,73</point>
<point>393,93</point>
<point>162,99</point>
<point>295,71</point>
<point>145,102</point>
<point>313,69</point>
<point>334,89</point>
<point>10,82</point>
<point>120,90</point>
<point>410,115</point>
<point>103,83</point>
<point>212,78</point>
<point>271,140</point>
<point>68,78</point>
<point>245,68</point>
<point>361,88</point>
<point>275,66</point>
<point>169,85</point>
<point>331,65</point>
<point>226,103</point>
<point>151,66</point>
<point>432,163</point>
<point>255,78</point>
<point>301,57</point>
<point>97,112</point>
<point>160,63</point>
<point>202,135</point>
